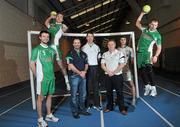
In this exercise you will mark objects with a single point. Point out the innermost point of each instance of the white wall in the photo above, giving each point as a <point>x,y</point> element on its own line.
<point>13,44</point>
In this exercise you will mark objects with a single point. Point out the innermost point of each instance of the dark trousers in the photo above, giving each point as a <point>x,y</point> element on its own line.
<point>92,86</point>
<point>114,82</point>
<point>147,74</point>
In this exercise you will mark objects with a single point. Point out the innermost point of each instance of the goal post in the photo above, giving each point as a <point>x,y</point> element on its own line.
<point>132,37</point>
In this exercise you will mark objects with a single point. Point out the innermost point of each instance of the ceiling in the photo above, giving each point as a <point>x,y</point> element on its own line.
<point>93,15</point>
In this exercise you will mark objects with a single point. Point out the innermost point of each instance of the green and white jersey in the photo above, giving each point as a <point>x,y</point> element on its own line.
<point>44,57</point>
<point>56,32</point>
<point>147,40</point>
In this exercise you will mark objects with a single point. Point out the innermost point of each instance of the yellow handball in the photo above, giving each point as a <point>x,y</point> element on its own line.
<point>53,13</point>
<point>146,8</point>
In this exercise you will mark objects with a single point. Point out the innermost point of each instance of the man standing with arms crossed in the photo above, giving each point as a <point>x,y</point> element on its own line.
<point>145,56</point>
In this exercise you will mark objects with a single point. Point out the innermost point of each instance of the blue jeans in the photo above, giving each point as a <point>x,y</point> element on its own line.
<point>78,85</point>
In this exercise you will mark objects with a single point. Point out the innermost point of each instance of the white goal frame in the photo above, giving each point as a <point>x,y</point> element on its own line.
<point>132,36</point>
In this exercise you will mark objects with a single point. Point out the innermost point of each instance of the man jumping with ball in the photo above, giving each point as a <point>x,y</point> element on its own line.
<point>145,56</point>
<point>56,29</point>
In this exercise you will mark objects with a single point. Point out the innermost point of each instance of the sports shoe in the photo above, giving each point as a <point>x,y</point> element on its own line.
<point>42,123</point>
<point>88,109</point>
<point>133,103</point>
<point>85,113</point>
<point>51,118</point>
<point>153,91</point>
<point>98,108</point>
<point>123,112</point>
<point>76,115</point>
<point>147,89</point>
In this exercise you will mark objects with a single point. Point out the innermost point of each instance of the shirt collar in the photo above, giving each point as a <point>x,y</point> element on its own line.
<point>44,45</point>
<point>90,44</point>
<point>113,52</point>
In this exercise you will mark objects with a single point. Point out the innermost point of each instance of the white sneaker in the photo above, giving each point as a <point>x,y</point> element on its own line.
<point>42,123</point>
<point>133,103</point>
<point>51,118</point>
<point>97,108</point>
<point>153,91</point>
<point>147,89</point>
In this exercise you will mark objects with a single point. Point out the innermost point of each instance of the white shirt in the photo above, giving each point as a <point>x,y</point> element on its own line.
<point>128,53</point>
<point>92,52</point>
<point>112,60</point>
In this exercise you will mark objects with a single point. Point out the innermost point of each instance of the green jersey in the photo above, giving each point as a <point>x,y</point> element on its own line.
<point>145,46</point>
<point>44,57</point>
<point>148,39</point>
<point>56,32</point>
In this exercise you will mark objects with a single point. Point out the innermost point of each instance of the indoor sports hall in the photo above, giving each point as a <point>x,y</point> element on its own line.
<point>151,29</point>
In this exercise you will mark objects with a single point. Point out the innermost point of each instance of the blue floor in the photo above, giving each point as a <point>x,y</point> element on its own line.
<point>165,104</point>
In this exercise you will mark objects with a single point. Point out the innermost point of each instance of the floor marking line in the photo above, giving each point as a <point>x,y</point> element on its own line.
<point>13,92</point>
<point>14,106</point>
<point>154,110</point>
<point>168,91</point>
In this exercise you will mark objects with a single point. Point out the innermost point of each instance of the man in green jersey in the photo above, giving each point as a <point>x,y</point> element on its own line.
<point>42,66</point>
<point>146,57</point>
<point>56,29</point>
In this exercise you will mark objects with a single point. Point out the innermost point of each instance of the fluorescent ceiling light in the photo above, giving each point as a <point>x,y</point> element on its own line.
<point>62,1</point>
<point>99,25</point>
<point>104,28</point>
<point>107,14</point>
<point>91,9</point>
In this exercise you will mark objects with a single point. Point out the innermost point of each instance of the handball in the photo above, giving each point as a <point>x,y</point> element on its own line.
<point>146,8</point>
<point>53,13</point>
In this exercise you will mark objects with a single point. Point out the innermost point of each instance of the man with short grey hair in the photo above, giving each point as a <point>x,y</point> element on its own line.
<point>112,63</point>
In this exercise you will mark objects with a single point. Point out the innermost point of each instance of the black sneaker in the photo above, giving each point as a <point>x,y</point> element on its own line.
<point>76,115</point>
<point>85,113</point>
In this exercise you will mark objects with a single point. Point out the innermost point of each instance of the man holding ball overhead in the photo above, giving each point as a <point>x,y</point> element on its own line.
<point>145,56</point>
<point>56,29</point>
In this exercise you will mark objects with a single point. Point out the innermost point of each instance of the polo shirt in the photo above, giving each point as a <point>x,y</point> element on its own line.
<point>112,60</point>
<point>92,52</point>
<point>78,59</point>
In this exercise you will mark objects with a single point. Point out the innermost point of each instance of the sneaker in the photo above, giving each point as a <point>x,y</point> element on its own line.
<point>153,91</point>
<point>88,109</point>
<point>85,113</point>
<point>123,112</point>
<point>133,103</point>
<point>147,89</point>
<point>42,123</point>
<point>51,118</point>
<point>76,115</point>
<point>98,108</point>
